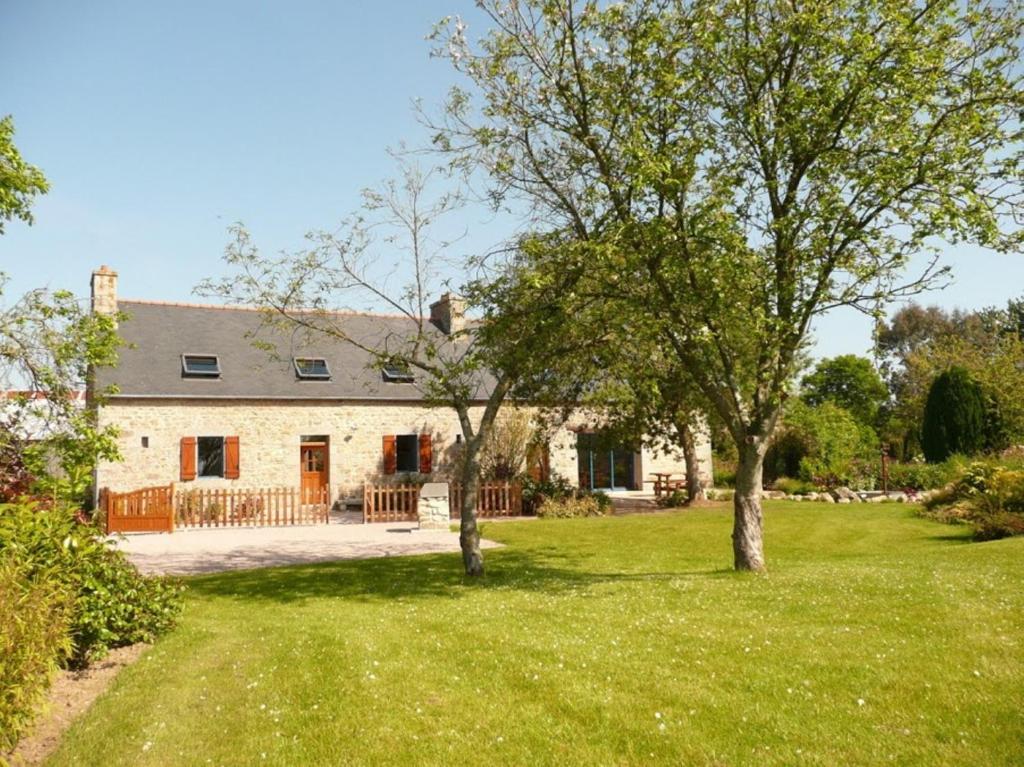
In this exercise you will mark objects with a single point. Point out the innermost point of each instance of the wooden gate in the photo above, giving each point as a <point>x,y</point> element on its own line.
<point>150,510</point>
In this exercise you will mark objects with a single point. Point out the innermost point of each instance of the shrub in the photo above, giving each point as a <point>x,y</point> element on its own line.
<point>601,498</point>
<point>535,492</point>
<point>565,508</point>
<point>1002,524</point>
<point>34,618</point>
<point>791,486</point>
<point>113,604</point>
<point>823,445</point>
<point>954,416</point>
<point>674,500</point>
<point>990,497</point>
<point>725,477</point>
<point>924,476</point>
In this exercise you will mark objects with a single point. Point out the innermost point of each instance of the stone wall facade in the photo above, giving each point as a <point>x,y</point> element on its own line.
<point>271,431</point>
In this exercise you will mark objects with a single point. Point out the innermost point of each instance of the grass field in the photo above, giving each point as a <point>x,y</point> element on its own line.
<point>877,638</point>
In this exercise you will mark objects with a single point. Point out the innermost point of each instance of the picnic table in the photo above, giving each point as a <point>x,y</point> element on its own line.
<point>664,483</point>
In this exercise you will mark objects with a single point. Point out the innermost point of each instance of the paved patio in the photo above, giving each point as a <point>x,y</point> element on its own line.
<point>191,552</point>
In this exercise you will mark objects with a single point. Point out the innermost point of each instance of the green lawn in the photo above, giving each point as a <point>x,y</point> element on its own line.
<point>877,638</point>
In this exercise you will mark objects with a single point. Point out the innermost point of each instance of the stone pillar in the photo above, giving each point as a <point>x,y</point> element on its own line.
<point>432,509</point>
<point>104,291</point>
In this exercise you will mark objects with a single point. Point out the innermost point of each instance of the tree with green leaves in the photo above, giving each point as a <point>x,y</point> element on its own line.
<point>954,416</point>
<point>473,368</point>
<point>919,343</point>
<point>849,381</point>
<point>20,182</point>
<point>49,442</point>
<point>737,168</point>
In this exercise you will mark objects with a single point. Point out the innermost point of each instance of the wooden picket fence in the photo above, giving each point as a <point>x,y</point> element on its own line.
<point>493,499</point>
<point>397,502</point>
<point>251,507</point>
<point>390,503</point>
<point>162,509</point>
<point>150,510</point>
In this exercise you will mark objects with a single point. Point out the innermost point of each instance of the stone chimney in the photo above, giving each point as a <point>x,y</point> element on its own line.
<point>449,314</point>
<point>104,291</point>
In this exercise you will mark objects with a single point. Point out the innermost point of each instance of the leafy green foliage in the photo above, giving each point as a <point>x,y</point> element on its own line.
<point>849,381</point>
<point>823,445</point>
<point>48,345</point>
<point>112,604</point>
<point>34,639</point>
<point>988,496</point>
<point>793,486</point>
<point>20,182</point>
<point>954,417</point>
<point>925,476</point>
<point>919,343</point>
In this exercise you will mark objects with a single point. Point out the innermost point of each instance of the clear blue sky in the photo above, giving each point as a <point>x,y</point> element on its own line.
<point>159,124</point>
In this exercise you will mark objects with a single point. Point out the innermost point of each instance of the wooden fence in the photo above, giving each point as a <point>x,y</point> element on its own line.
<point>259,507</point>
<point>149,510</point>
<point>161,509</point>
<point>493,499</point>
<point>397,503</point>
<point>390,503</point>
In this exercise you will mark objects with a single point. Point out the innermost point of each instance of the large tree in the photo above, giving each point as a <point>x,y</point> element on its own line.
<point>743,166</point>
<point>849,381</point>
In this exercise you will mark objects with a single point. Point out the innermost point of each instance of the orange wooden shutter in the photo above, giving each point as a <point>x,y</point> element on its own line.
<point>426,454</point>
<point>231,458</point>
<point>188,458</point>
<point>390,454</point>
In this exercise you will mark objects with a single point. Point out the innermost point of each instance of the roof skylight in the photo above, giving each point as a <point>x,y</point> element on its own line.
<point>200,365</point>
<point>312,368</point>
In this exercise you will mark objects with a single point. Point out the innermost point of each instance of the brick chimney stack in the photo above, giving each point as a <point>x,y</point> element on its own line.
<point>104,291</point>
<point>449,314</point>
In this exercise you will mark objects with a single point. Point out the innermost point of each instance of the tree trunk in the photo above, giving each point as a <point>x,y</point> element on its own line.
<point>469,533</point>
<point>694,488</point>
<point>747,529</point>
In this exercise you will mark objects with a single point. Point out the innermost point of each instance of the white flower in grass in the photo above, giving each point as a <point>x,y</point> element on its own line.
<point>860,701</point>
<point>147,745</point>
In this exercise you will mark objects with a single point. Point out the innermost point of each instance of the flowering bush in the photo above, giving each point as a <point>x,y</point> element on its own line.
<point>988,496</point>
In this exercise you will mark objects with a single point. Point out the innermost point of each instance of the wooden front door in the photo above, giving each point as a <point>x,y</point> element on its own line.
<point>314,472</point>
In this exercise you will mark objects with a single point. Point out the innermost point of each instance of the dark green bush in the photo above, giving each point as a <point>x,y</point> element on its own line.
<point>112,603</point>
<point>956,419</point>
<point>34,621</point>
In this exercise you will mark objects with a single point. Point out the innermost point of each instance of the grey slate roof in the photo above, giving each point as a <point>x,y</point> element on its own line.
<point>157,335</point>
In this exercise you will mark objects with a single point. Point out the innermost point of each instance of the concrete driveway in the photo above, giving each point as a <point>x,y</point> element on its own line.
<point>191,552</point>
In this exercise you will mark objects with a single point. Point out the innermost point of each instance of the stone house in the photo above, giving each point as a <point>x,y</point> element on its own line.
<point>197,404</point>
